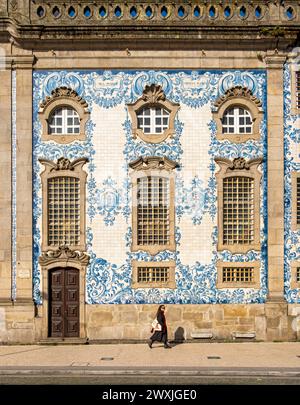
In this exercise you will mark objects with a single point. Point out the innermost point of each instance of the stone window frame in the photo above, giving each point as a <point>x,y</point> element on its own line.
<point>294,177</point>
<point>221,284</point>
<point>294,283</point>
<point>233,168</point>
<point>63,97</point>
<point>294,70</point>
<point>64,258</point>
<point>63,168</point>
<point>238,97</point>
<point>153,166</point>
<point>169,284</point>
<point>153,96</point>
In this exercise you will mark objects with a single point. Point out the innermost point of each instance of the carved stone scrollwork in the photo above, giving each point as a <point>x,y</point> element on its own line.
<point>63,163</point>
<point>63,253</point>
<point>236,92</point>
<point>153,163</point>
<point>62,92</point>
<point>153,94</point>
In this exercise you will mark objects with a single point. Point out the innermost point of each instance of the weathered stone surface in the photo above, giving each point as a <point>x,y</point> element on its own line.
<point>235,311</point>
<point>100,318</point>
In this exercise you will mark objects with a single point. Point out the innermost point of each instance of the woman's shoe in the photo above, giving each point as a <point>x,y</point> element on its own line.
<point>167,346</point>
<point>150,343</point>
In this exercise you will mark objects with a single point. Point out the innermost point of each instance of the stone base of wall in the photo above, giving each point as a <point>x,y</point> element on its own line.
<point>17,323</point>
<point>260,322</point>
<point>257,322</point>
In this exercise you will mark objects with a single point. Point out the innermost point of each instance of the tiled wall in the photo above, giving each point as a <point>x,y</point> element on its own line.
<point>110,147</point>
<point>291,164</point>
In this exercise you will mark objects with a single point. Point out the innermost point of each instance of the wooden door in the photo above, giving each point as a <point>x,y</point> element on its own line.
<point>64,303</point>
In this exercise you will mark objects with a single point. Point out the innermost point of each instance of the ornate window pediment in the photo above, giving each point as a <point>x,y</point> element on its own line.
<point>63,116</point>
<point>238,114</point>
<point>152,115</point>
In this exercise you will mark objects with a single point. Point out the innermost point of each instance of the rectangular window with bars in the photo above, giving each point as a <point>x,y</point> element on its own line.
<point>298,275</point>
<point>153,274</point>
<point>297,89</point>
<point>238,274</point>
<point>63,211</point>
<point>153,211</point>
<point>238,210</point>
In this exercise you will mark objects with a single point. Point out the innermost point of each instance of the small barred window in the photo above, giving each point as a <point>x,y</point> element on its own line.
<point>63,211</point>
<point>298,89</point>
<point>298,201</point>
<point>153,274</point>
<point>238,210</point>
<point>237,120</point>
<point>64,120</point>
<point>238,275</point>
<point>153,219</point>
<point>298,275</point>
<point>153,120</point>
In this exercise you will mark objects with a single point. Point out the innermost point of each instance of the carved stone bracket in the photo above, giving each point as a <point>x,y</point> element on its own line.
<point>63,253</point>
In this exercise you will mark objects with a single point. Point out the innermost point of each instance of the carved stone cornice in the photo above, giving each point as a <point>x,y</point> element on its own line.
<point>63,163</point>
<point>238,92</point>
<point>63,253</point>
<point>61,93</point>
<point>153,163</point>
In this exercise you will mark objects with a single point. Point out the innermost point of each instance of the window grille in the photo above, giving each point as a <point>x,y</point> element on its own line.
<point>153,217</point>
<point>153,274</point>
<point>238,274</point>
<point>298,275</point>
<point>298,89</point>
<point>237,120</point>
<point>65,121</point>
<point>63,211</point>
<point>238,210</point>
<point>153,120</point>
<point>298,201</point>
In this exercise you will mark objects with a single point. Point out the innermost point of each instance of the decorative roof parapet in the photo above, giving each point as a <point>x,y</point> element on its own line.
<point>42,19</point>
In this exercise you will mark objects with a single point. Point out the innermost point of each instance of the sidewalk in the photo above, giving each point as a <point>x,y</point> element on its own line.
<point>186,358</point>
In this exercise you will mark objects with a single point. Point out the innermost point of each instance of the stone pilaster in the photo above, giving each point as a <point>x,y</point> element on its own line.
<point>274,64</point>
<point>5,183</point>
<point>23,66</point>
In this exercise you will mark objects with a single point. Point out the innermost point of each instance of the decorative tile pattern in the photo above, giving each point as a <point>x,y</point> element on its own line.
<point>291,164</point>
<point>109,195</point>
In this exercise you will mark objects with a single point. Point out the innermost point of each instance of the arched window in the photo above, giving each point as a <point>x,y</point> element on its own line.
<point>237,120</point>
<point>153,120</point>
<point>238,114</point>
<point>153,116</point>
<point>64,120</point>
<point>63,116</point>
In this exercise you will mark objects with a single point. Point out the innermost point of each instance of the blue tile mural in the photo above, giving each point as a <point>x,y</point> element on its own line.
<point>291,164</point>
<point>107,282</point>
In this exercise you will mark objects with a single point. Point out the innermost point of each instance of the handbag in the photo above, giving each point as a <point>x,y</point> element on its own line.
<point>155,325</point>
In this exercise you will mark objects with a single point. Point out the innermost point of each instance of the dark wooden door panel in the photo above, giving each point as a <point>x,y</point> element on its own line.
<point>64,303</point>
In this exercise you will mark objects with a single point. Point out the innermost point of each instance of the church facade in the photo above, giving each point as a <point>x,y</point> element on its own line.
<point>149,155</point>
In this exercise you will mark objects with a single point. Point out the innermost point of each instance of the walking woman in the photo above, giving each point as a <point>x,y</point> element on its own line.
<point>160,331</point>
